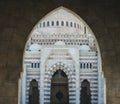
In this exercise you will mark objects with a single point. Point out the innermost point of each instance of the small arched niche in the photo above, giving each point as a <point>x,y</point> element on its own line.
<point>45,48</point>
<point>33,92</point>
<point>85,97</point>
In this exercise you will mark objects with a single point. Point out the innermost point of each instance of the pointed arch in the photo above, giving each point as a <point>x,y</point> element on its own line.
<point>33,92</point>
<point>59,88</point>
<point>85,97</point>
<point>69,73</point>
<point>79,40</point>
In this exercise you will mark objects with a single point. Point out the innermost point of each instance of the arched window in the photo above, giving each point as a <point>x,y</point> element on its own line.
<point>33,92</point>
<point>85,97</point>
<point>31,65</point>
<point>85,30</point>
<point>57,23</point>
<point>90,65</point>
<point>71,24</point>
<point>78,26</point>
<point>48,24</point>
<point>62,23</point>
<point>75,25</point>
<point>84,65</point>
<point>66,23</point>
<point>43,24</point>
<point>38,65</point>
<point>52,23</point>
<point>80,65</point>
<point>87,65</point>
<point>35,65</point>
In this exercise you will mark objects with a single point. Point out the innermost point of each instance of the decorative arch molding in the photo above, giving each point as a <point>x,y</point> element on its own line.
<point>80,46</point>
<point>48,76</point>
<point>61,66</point>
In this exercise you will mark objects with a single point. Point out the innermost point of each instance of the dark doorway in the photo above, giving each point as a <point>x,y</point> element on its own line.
<point>59,88</point>
<point>33,92</point>
<point>85,97</point>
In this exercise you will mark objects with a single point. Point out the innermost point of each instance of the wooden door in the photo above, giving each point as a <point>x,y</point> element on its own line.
<point>59,88</point>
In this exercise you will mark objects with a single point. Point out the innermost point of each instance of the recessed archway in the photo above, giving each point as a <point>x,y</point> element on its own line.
<point>59,88</point>
<point>85,97</point>
<point>33,92</point>
<point>62,40</point>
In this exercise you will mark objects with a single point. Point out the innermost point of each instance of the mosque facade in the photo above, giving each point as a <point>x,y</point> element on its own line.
<point>62,62</point>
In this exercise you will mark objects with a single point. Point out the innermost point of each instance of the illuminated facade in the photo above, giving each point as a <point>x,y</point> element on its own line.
<point>62,45</point>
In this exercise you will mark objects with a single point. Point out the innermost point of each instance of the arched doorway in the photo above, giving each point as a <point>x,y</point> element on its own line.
<point>85,97</point>
<point>33,92</point>
<point>59,88</point>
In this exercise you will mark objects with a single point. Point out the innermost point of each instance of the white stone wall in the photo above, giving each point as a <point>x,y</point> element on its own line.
<point>62,40</point>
